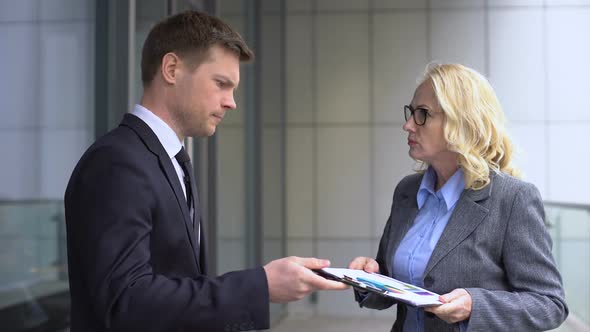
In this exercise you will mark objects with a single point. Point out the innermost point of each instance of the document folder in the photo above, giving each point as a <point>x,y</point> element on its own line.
<point>382,285</point>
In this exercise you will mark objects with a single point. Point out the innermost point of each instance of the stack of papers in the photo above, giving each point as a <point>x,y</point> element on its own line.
<point>383,285</point>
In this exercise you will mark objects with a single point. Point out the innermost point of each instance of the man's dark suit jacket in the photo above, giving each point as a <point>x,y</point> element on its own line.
<point>133,255</point>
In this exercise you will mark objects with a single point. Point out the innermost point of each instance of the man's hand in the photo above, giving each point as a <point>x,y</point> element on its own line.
<point>456,306</point>
<point>364,263</point>
<point>291,278</point>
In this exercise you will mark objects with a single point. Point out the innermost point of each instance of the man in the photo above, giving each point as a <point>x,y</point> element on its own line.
<point>135,240</point>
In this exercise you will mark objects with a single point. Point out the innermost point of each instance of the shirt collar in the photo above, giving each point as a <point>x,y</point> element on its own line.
<point>451,191</point>
<point>165,134</point>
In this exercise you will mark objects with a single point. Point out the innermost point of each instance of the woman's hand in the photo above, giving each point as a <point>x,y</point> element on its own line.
<point>364,263</point>
<point>456,306</point>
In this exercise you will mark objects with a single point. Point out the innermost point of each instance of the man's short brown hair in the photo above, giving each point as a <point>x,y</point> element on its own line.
<point>189,33</point>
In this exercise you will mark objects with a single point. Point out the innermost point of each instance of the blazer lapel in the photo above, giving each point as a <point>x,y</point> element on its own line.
<point>405,211</point>
<point>153,144</point>
<point>466,217</point>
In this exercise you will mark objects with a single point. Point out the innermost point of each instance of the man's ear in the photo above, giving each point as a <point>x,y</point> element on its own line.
<point>170,65</point>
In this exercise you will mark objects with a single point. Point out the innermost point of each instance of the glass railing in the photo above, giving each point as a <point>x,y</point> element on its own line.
<point>569,226</point>
<point>33,271</point>
<point>33,268</point>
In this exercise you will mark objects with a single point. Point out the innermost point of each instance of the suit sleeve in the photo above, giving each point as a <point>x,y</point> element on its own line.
<point>536,301</point>
<point>110,207</point>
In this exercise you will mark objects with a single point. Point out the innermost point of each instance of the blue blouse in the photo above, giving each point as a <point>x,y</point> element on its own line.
<point>414,251</point>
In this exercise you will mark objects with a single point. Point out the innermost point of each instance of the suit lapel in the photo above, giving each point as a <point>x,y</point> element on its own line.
<point>203,247</point>
<point>467,216</point>
<point>196,225</point>
<point>153,144</point>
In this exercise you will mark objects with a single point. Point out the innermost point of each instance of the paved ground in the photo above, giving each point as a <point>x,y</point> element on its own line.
<point>308,323</point>
<point>337,324</point>
<point>332,324</point>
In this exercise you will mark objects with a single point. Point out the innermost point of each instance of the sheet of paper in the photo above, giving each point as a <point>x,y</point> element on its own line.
<point>389,286</point>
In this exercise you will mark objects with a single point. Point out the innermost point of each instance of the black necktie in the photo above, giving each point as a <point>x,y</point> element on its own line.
<point>192,199</point>
<point>185,162</point>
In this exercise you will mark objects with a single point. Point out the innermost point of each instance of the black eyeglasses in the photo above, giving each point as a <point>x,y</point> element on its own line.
<point>419,114</point>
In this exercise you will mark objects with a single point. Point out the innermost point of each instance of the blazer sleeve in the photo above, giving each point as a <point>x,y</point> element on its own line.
<point>536,301</point>
<point>372,300</point>
<point>110,206</point>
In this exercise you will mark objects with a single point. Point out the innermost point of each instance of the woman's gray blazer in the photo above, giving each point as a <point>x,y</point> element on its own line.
<point>496,246</point>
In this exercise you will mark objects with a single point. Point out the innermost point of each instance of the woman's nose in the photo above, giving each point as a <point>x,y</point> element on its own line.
<point>409,125</point>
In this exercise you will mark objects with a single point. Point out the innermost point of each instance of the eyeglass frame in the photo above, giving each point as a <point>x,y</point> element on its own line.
<point>413,111</point>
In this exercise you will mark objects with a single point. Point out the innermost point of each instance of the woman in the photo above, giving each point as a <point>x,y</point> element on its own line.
<point>465,226</point>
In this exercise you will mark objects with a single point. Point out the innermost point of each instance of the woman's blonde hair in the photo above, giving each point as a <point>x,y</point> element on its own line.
<point>474,125</point>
